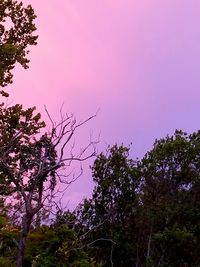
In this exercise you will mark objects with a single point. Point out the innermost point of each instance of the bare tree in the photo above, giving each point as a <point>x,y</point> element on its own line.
<point>32,164</point>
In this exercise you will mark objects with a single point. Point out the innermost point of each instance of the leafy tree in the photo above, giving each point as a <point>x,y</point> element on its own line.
<point>109,217</point>
<point>170,207</point>
<point>16,34</point>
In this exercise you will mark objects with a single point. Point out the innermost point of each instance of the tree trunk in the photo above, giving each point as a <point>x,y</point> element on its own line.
<point>26,222</point>
<point>149,245</point>
<point>20,254</point>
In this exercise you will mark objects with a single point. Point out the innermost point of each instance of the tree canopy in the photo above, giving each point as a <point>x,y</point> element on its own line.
<point>16,35</point>
<point>145,212</point>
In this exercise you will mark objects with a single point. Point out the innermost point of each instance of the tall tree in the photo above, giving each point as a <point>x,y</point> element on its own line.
<point>109,217</point>
<point>16,34</point>
<point>169,211</point>
<point>30,162</point>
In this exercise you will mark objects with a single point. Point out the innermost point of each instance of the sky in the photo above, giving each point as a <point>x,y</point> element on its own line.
<point>136,61</point>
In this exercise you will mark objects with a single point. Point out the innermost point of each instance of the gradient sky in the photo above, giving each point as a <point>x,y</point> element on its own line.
<point>138,61</point>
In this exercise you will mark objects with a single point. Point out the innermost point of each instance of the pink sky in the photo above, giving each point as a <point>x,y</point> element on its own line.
<point>136,60</point>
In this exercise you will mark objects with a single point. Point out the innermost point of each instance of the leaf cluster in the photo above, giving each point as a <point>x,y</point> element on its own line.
<point>16,34</point>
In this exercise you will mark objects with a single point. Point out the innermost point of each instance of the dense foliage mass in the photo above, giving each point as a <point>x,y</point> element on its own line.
<point>146,213</point>
<point>142,213</point>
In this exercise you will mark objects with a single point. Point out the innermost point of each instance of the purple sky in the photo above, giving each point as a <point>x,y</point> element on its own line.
<point>136,60</point>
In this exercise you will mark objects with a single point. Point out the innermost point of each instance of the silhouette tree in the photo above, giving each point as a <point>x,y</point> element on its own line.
<point>30,163</point>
